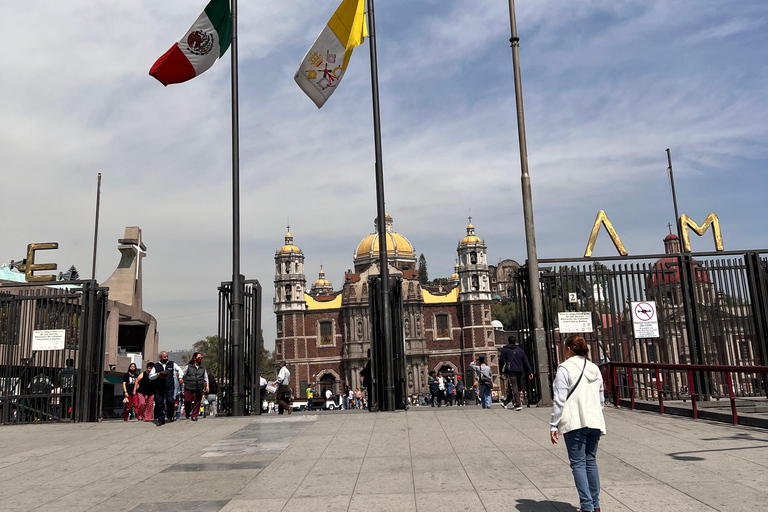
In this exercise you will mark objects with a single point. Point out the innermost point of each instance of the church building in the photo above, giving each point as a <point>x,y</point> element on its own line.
<point>324,334</point>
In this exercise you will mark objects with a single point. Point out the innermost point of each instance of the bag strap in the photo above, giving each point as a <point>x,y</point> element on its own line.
<point>570,391</point>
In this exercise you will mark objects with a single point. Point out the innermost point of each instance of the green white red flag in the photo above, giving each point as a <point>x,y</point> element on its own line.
<point>202,45</point>
<point>324,64</point>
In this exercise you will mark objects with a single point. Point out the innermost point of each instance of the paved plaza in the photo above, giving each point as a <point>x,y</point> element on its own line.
<point>446,459</point>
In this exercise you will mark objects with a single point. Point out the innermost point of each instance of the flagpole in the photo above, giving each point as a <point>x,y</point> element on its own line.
<point>530,233</point>
<point>96,226</point>
<point>389,388</point>
<point>236,333</point>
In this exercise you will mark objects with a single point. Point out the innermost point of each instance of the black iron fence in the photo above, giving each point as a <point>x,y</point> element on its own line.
<point>250,366</point>
<point>57,380</point>
<point>712,309</point>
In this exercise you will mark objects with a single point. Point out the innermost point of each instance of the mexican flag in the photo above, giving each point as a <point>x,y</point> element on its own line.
<point>325,63</point>
<point>202,45</point>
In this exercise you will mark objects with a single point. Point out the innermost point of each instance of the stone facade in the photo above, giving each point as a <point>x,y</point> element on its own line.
<point>324,335</point>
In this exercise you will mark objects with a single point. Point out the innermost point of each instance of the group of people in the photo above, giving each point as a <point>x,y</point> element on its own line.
<point>165,389</point>
<point>446,390</point>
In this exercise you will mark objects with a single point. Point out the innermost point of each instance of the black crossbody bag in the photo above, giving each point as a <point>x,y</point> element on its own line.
<point>570,391</point>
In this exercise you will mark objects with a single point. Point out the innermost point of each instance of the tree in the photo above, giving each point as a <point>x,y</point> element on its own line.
<point>210,347</point>
<point>508,313</point>
<point>267,363</point>
<point>423,275</point>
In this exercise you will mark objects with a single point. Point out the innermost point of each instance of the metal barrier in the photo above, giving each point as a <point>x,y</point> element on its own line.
<point>655,382</point>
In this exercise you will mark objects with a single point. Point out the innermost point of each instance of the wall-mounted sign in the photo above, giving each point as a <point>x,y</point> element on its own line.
<point>48,339</point>
<point>644,319</point>
<point>574,321</point>
<point>573,298</point>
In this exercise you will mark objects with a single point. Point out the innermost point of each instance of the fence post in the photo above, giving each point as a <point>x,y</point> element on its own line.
<point>659,392</point>
<point>732,397</point>
<point>692,390</point>
<point>616,388</point>
<point>631,383</point>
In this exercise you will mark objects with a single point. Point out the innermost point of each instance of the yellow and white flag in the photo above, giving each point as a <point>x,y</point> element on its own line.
<point>325,63</point>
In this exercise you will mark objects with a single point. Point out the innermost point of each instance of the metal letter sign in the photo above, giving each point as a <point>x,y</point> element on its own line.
<point>574,321</point>
<point>644,319</point>
<point>602,218</point>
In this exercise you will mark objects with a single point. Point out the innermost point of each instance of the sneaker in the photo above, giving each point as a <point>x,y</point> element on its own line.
<point>519,408</point>
<point>503,406</point>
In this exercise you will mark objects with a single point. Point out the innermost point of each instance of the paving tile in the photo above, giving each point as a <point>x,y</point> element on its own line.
<point>402,502</point>
<point>442,501</point>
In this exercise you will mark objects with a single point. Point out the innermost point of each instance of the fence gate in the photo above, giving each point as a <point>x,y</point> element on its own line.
<point>710,311</point>
<point>40,382</point>
<point>249,367</point>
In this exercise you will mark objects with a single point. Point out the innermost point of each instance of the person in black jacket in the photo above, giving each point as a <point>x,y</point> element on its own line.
<point>513,363</point>
<point>164,374</point>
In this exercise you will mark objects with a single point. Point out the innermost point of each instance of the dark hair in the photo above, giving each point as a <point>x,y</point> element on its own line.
<point>578,345</point>
<point>194,356</point>
<point>150,365</point>
<point>512,339</point>
<point>431,372</point>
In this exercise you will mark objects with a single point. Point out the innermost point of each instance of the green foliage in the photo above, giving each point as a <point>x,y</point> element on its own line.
<point>423,275</point>
<point>508,313</point>
<point>210,347</point>
<point>267,363</point>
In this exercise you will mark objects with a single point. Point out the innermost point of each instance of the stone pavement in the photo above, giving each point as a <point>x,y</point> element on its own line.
<point>446,459</point>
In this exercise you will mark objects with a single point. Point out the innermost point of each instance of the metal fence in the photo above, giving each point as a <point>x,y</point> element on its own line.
<point>661,384</point>
<point>250,366</point>
<point>52,384</point>
<point>712,310</point>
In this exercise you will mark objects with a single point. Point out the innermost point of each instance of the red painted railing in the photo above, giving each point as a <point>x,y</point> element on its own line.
<point>660,371</point>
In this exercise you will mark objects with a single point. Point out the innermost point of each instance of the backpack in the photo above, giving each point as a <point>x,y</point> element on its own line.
<point>507,366</point>
<point>485,380</point>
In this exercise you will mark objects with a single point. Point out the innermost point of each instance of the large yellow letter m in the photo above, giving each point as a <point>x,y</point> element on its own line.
<point>712,220</point>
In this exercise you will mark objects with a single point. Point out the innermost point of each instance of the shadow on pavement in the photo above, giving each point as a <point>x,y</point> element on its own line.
<point>544,506</point>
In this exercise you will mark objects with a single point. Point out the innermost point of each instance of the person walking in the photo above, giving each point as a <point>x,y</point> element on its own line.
<point>130,399</point>
<point>433,388</point>
<point>440,388</point>
<point>310,395</point>
<point>449,390</point>
<point>195,384</point>
<point>513,363</point>
<point>484,380</point>
<point>577,414</point>
<point>460,392</point>
<point>146,394</point>
<point>166,375</point>
<point>283,392</point>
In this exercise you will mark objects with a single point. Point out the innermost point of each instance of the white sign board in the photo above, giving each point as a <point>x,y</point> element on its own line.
<point>574,321</point>
<point>572,297</point>
<point>48,339</point>
<point>644,319</point>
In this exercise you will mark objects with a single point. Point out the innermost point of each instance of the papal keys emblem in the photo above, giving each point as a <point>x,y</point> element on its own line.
<point>200,43</point>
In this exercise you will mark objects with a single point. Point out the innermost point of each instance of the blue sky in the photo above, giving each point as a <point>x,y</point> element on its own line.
<point>608,86</point>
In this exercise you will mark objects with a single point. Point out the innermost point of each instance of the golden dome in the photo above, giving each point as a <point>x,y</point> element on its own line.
<point>289,247</point>
<point>322,281</point>
<point>471,238</point>
<point>396,243</point>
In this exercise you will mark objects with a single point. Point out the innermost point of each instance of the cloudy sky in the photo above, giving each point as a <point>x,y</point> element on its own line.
<point>608,86</point>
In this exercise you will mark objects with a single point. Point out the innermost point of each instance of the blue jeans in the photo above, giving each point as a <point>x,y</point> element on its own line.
<point>582,452</point>
<point>485,397</point>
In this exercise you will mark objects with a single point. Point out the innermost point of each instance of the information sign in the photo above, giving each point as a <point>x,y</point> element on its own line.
<point>48,339</point>
<point>574,321</point>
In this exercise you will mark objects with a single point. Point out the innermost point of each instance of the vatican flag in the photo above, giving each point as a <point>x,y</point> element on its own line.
<point>324,64</point>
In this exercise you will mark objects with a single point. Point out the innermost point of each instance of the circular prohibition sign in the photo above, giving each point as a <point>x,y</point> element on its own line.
<point>644,312</point>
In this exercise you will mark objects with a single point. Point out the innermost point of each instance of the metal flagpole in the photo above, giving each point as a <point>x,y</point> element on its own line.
<point>389,388</point>
<point>96,228</point>
<point>236,332</point>
<point>674,200</point>
<point>530,234</point>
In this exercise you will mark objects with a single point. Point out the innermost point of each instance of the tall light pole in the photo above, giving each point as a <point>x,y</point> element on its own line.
<point>530,234</point>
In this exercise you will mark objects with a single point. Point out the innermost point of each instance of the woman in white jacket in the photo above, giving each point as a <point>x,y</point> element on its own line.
<point>577,413</point>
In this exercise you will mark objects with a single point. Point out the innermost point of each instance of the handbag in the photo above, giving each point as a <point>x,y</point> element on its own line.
<point>570,391</point>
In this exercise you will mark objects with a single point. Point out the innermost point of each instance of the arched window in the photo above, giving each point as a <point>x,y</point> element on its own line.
<point>475,283</point>
<point>287,292</point>
<point>473,257</point>
<point>287,267</point>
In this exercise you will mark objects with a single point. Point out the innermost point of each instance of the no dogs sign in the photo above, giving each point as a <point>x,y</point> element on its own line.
<point>644,319</point>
